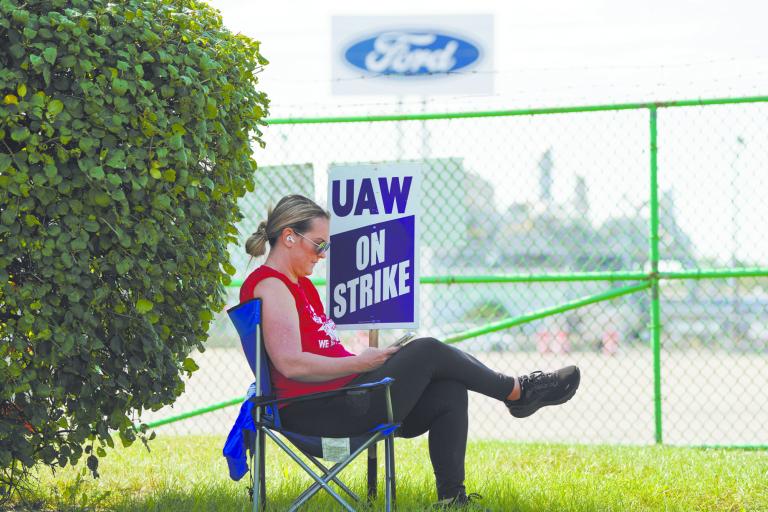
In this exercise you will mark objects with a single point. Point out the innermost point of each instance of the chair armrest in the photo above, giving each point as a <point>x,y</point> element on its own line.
<point>357,388</point>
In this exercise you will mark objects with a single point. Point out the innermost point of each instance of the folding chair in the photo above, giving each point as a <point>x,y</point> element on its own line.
<point>259,418</point>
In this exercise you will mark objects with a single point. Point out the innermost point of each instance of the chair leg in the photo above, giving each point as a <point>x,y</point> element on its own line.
<point>372,476</point>
<point>319,481</point>
<point>256,464</point>
<point>335,480</point>
<point>262,472</point>
<point>389,472</point>
<point>325,472</point>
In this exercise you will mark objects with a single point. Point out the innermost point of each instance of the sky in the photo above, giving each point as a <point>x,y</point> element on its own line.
<point>546,52</point>
<point>565,53</point>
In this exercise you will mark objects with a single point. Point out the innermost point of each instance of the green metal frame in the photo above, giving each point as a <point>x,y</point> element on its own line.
<point>650,280</point>
<point>654,275</point>
<point>519,112</point>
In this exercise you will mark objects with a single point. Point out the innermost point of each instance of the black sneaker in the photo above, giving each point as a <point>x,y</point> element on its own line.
<point>462,500</point>
<point>540,389</point>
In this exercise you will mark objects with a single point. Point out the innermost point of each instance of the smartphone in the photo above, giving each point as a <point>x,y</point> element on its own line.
<point>404,339</point>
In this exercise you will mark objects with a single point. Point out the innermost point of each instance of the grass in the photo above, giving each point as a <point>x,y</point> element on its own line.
<point>189,473</point>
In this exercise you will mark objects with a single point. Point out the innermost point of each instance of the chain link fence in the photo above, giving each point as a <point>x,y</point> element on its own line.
<point>547,237</point>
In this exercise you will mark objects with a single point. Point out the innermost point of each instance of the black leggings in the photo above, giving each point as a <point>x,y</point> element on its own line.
<point>429,394</point>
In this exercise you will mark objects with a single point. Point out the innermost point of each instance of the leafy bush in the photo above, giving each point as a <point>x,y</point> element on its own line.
<point>126,130</point>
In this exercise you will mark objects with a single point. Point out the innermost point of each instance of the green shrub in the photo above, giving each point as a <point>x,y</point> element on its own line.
<point>126,130</point>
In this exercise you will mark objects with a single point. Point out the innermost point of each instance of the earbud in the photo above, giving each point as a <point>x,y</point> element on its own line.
<point>290,238</point>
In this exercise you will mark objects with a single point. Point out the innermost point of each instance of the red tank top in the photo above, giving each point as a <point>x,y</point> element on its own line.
<point>318,332</point>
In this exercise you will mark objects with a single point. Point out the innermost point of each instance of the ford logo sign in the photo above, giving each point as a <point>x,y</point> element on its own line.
<point>412,53</point>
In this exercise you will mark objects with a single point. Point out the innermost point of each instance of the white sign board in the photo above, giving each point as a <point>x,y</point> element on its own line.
<point>373,266</point>
<point>421,55</point>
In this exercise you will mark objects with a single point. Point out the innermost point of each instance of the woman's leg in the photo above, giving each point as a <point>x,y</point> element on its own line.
<point>442,411</point>
<point>413,368</point>
<point>426,360</point>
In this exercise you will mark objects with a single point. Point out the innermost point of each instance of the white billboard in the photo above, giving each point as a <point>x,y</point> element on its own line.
<point>418,55</point>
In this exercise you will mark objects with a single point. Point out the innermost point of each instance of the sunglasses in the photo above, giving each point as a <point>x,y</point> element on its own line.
<point>320,248</point>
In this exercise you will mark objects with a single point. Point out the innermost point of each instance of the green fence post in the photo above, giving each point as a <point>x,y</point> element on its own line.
<point>654,278</point>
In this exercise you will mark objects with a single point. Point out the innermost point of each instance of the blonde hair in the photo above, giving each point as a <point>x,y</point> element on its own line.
<point>295,211</point>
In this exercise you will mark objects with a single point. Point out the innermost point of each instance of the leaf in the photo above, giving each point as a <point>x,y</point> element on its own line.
<point>86,143</point>
<point>119,86</point>
<point>102,199</point>
<point>190,365</point>
<point>55,107</point>
<point>114,179</point>
<point>22,90</point>
<point>127,437</point>
<point>211,110</point>
<point>20,133</point>
<point>92,462</point>
<point>49,54</point>
<point>117,159</point>
<point>144,306</point>
<point>68,61</point>
<point>31,220</point>
<point>10,99</point>
<point>161,201</point>
<point>124,266</point>
<point>91,226</point>
<point>96,172</point>
<point>175,141</point>
<point>169,175</point>
<point>5,162</point>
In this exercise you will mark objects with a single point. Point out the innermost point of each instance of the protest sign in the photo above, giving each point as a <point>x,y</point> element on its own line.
<point>373,270</point>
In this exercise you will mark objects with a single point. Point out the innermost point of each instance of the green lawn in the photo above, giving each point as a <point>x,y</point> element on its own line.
<point>189,473</point>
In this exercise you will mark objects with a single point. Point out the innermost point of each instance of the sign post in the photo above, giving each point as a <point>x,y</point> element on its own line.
<point>373,341</point>
<point>373,270</point>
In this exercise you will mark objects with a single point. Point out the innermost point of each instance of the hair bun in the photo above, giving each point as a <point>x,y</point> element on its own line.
<point>257,242</point>
<point>261,231</point>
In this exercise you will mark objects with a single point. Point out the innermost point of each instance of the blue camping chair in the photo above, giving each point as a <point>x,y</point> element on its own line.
<point>259,418</point>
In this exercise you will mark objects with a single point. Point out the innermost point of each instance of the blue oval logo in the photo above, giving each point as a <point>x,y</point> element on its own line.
<point>412,53</point>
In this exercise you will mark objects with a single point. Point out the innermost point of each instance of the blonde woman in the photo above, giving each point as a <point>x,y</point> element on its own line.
<point>431,379</point>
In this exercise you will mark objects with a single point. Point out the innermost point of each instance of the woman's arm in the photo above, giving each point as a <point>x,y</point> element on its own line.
<point>282,338</point>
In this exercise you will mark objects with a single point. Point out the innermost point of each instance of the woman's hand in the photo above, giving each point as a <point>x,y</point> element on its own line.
<point>371,358</point>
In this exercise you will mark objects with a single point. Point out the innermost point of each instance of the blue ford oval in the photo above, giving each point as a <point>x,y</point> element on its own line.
<point>412,53</point>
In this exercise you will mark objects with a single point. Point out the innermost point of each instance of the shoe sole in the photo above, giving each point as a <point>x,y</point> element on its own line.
<point>524,412</point>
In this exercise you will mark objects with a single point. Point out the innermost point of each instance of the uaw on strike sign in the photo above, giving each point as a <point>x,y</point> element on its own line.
<point>373,270</point>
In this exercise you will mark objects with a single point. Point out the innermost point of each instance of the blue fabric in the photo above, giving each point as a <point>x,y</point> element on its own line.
<point>246,317</point>
<point>386,428</point>
<point>234,448</point>
<point>385,380</point>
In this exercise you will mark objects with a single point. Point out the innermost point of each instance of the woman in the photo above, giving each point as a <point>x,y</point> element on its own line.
<point>429,393</point>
